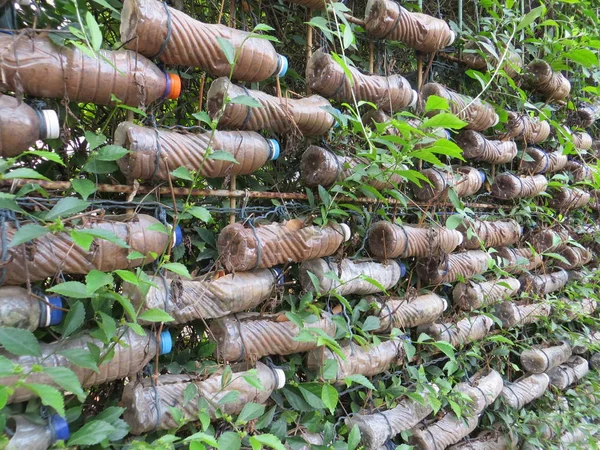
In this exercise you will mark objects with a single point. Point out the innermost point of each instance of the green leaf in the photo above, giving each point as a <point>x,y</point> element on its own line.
<point>27,233</point>
<point>94,29</point>
<point>230,397</point>
<point>83,187</point>
<point>111,153</point>
<point>50,156</point>
<point>200,213</point>
<point>229,441</point>
<point>453,221</point>
<point>444,120</point>
<point>371,323</point>
<point>353,438</point>
<point>360,379</point>
<point>330,397</point>
<point>245,100</point>
<point>445,347</point>
<point>128,275</point>
<point>530,17</point>
<point>228,49</point>
<point>104,234</point>
<point>189,393</point>
<point>435,103</point>
<point>268,440</point>
<point>95,279</point>
<point>583,56</point>
<point>50,396</point>
<point>97,166</point>
<point>24,172</point>
<point>182,173</point>
<point>155,315</point>
<point>80,357</point>
<point>73,289</point>
<point>83,240</point>
<point>203,117</point>
<point>94,140</point>
<point>3,396</point>
<point>66,207</point>
<point>330,369</point>
<point>19,342</point>
<point>222,155</point>
<point>249,412</point>
<point>74,319</point>
<point>342,63</point>
<point>67,380</point>
<point>177,268</point>
<point>91,433</point>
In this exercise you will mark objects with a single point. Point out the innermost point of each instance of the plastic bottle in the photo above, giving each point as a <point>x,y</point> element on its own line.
<point>525,390</point>
<point>20,309</point>
<point>553,86</point>
<point>518,260</point>
<point>523,127</point>
<point>472,328</point>
<point>408,312</point>
<point>516,315</point>
<point>542,284</point>
<point>478,114</point>
<point>476,147</point>
<point>153,154</point>
<point>29,435</point>
<point>38,67</point>
<point>148,406</point>
<point>579,171</point>
<point>449,268</point>
<point>489,233</point>
<point>548,240</point>
<point>130,356</point>
<point>475,295</point>
<point>206,297</point>
<point>541,358</point>
<point>376,429</point>
<point>306,116</point>
<point>581,140</point>
<point>488,440</point>
<point>473,59</point>
<point>543,162</point>
<point>586,115</point>
<point>569,373</point>
<point>377,116</point>
<point>242,249</point>
<point>584,307</point>
<point>351,275</point>
<point>464,180</point>
<point>322,167</point>
<point>595,361</point>
<point>369,360</point>
<point>508,186</point>
<point>389,240</point>
<point>56,253</point>
<point>326,77</point>
<point>249,336</point>
<point>21,126</point>
<point>386,19</point>
<point>568,198</point>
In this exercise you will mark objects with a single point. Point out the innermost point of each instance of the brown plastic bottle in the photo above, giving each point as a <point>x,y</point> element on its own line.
<point>553,86</point>
<point>565,198</point>
<point>569,373</point>
<point>508,186</point>
<point>544,283</point>
<point>154,153</point>
<point>35,433</point>
<point>463,179</point>
<point>518,260</point>
<point>489,233</point>
<point>581,140</point>
<point>475,295</point>
<point>21,126</point>
<point>579,171</point>
<point>40,68</point>
<point>386,19</point>
<point>575,256</point>
<point>548,240</point>
<point>478,114</point>
<point>516,315</point>
<point>158,31</point>
<point>326,77</point>
<point>263,246</point>
<point>523,127</point>
<point>472,328</point>
<point>543,162</point>
<point>305,116</point>
<point>449,268</point>
<point>511,65</point>
<point>408,312</point>
<point>541,358</point>
<point>586,115</point>
<point>20,309</point>
<point>488,440</point>
<point>476,147</point>
<point>524,391</point>
<point>51,254</point>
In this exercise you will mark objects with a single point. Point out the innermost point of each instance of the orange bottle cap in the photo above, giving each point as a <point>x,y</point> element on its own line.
<point>173,86</point>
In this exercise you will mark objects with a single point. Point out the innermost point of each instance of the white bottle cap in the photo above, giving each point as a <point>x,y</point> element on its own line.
<point>347,232</point>
<point>496,120</point>
<point>452,38</point>
<point>52,124</point>
<point>414,99</point>
<point>461,239</point>
<point>280,375</point>
<point>445,304</point>
<point>546,376</point>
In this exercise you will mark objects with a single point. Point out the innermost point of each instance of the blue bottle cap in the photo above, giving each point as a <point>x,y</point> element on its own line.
<point>402,268</point>
<point>178,235</point>
<point>56,315</point>
<point>282,64</point>
<point>275,149</point>
<point>166,343</point>
<point>60,428</point>
<point>278,274</point>
<point>482,175</point>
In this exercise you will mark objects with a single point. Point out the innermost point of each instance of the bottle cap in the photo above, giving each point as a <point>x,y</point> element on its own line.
<point>54,315</point>
<point>282,65</point>
<point>177,236</point>
<point>52,124</point>
<point>172,86</point>
<point>452,38</point>
<point>278,274</point>
<point>482,176</point>
<point>445,303</point>
<point>275,149</point>
<point>413,99</point>
<point>280,376</point>
<point>346,230</point>
<point>60,428</point>
<point>402,268</point>
<point>166,343</point>
<point>496,120</point>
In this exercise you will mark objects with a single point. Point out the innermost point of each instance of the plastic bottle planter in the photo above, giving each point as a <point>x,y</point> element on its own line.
<point>508,186</point>
<point>40,68</point>
<point>569,373</point>
<point>351,275</point>
<point>386,19</point>
<point>251,336</point>
<point>474,59</point>
<point>586,115</point>
<point>55,253</point>
<point>128,360</point>
<point>388,240</point>
<point>523,127</point>
<point>408,312</point>
<point>158,31</point>
<point>549,240</point>
<point>376,429</point>
<point>20,309</point>
<point>475,295</point>
<point>449,268</point>
<point>153,154</point>
<point>469,329</point>
<point>540,77</point>
<point>584,307</point>
<point>322,167</point>
<point>478,114</point>
<point>25,434</point>
<point>464,180</point>
<point>21,126</point>
<point>595,361</point>
<point>595,200</point>
<point>476,147</point>
<point>516,315</point>
<point>488,440</point>
<point>305,116</point>
<point>326,77</point>
<point>242,249</point>
<point>206,297</point>
<point>543,162</point>
<point>518,260</point>
<point>489,233</point>
<point>148,406</point>
<point>368,361</point>
<point>544,357</point>
<point>525,390</point>
<point>543,284</point>
<point>582,140</point>
<point>579,171</point>
<point>575,256</point>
